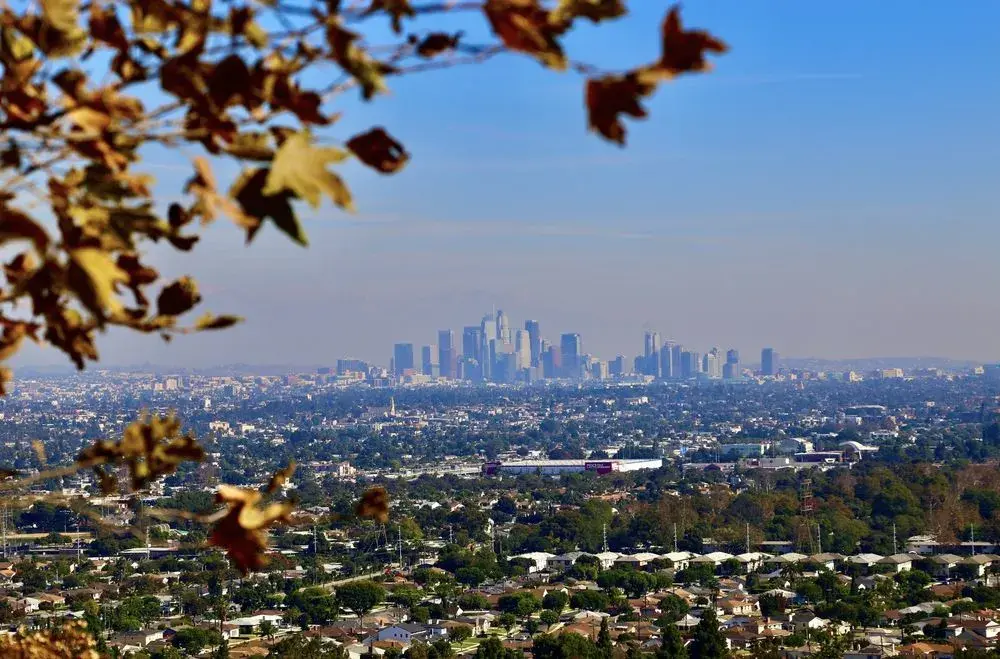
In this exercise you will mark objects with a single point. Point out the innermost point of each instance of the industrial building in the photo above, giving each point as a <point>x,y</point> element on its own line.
<point>556,467</point>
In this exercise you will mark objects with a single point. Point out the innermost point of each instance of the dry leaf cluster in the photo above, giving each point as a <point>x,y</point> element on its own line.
<point>69,641</point>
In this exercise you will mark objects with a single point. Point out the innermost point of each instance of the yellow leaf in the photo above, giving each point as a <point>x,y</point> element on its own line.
<point>300,168</point>
<point>93,275</point>
<point>63,15</point>
<point>212,322</point>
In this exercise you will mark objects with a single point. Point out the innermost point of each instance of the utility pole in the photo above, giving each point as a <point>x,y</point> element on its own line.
<point>399,535</point>
<point>972,532</point>
<point>675,537</point>
<point>819,540</point>
<point>604,531</point>
<point>748,537</point>
<point>894,538</point>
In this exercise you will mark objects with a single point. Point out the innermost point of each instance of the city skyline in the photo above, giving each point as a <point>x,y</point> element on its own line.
<point>497,350</point>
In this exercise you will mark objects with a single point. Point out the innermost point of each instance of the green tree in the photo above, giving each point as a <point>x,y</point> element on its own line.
<point>555,601</point>
<point>507,620</point>
<point>672,644</point>
<point>298,646</point>
<point>360,597</point>
<point>267,629</point>
<point>459,634</point>
<point>707,641</point>
<point>604,646</point>
<point>493,648</point>
<point>548,617</point>
<point>564,646</point>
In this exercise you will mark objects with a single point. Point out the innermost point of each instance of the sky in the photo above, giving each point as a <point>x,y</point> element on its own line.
<point>830,190</point>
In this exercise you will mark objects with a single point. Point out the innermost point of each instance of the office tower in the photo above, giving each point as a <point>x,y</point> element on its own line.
<point>489,335</point>
<point>535,336</point>
<point>667,367</point>
<point>522,348</point>
<point>768,361</point>
<point>651,351</point>
<point>676,368</point>
<point>429,361</point>
<point>552,362</point>
<point>571,350</point>
<point>402,358</point>
<point>732,356</point>
<point>616,367</point>
<point>731,369</point>
<point>545,344</point>
<point>447,355</point>
<point>712,364</point>
<point>599,370</point>
<point>503,327</point>
<point>472,343</point>
<point>690,364</point>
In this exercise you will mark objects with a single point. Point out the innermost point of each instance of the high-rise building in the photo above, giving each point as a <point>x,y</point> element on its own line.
<point>571,349</point>
<point>489,334</point>
<point>768,361</point>
<point>731,369</point>
<point>472,343</point>
<point>429,361</point>
<point>618,366</point>
<point>712,364</point>
<point>522,349</point>
<point>668,369</point>
<point>651,351</point>
<point>402,358</point>
<point>503,327</point>
<point>551,362</point>
<point>535,337</point>
<point>447,354</point>
<point>690,364</point>
<point>676,366</point>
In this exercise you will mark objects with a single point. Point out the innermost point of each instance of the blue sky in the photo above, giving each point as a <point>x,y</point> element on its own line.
<point>831,189</point>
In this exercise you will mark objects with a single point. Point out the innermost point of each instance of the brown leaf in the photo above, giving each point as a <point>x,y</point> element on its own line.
<point>436,43</point>
<point>374,504</point>
<point>593,10</point>
<point>10,157</point>
<point>281,477</point>
<point>6,376</point>
<point>150,449</point>
<point>178,297</point>
<point>379,150</point>
<point>610,97</point>
<point>397,9</point>
<point>368,72</point>
<point>242,531</point>
<point>105,27</point>
<point>15,225</point>
<point>684,51</point>
<point>525,26</point>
